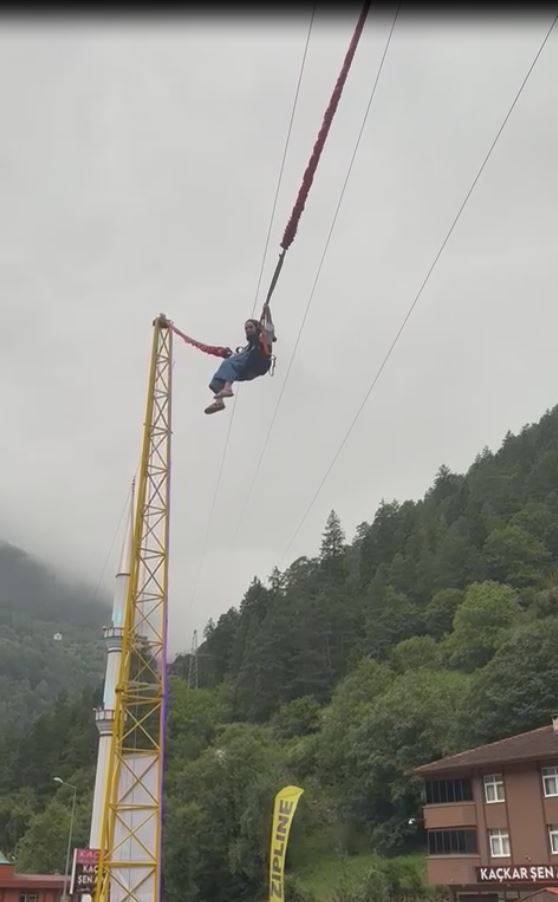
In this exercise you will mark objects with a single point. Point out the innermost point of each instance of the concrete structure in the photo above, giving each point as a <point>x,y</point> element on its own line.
<point>104,716</point>
<point>28,887</point>
<point>491,817</point>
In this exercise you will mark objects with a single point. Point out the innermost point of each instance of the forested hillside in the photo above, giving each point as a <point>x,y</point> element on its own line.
<point>36,606</point>
<point>341,675</point>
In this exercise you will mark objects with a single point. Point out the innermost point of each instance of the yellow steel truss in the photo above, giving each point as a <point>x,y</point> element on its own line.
<point>130,854</point>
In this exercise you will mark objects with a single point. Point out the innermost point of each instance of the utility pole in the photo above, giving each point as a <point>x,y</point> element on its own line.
<point>193,677</point>
<point>66,897</point>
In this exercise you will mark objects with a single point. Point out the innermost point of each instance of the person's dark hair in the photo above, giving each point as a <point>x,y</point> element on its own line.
<point>256,323</point>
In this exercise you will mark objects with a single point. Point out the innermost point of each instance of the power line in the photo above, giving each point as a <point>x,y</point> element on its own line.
<point>418,294</point>
<point>262,266</point>
<point>213,505</point>
<point>111,547</point>
<point>316,278</point>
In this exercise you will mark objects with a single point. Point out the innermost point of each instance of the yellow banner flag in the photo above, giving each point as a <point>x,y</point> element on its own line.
<point>286,801</point>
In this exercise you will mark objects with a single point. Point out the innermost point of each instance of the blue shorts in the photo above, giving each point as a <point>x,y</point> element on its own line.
<point>242,367</point>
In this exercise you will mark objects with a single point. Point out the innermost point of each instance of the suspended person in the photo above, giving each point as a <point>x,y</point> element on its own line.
<point>247,363</point>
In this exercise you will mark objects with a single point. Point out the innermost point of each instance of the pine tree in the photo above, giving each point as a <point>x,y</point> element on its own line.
<point>333,539</point>
<point>332,549</point>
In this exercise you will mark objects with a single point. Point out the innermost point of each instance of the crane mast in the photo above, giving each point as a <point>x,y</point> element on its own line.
<point>131,822</point>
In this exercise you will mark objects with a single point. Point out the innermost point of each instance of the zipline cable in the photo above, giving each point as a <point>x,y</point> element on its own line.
<point>416,299</point>
<point>262,266</point>
<point>316,280</point>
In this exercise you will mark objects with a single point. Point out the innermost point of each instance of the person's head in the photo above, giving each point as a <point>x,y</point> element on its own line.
<point>252,328</point>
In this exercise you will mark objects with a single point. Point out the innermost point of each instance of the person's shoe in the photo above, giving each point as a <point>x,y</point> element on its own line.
<point>224,393</point>
<point>218,404</point>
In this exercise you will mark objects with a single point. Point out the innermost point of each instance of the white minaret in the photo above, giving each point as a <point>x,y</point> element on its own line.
<point>104,716</point>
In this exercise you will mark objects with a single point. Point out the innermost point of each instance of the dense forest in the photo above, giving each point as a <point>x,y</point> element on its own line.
<point>49,636</point>
<point>341,674</point>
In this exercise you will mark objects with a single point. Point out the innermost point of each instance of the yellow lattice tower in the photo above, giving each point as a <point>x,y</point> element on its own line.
<point>130,855</point>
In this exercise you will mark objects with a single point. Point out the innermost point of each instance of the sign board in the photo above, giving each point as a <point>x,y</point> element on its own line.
<point>530,873</point>
<point>84,872</point>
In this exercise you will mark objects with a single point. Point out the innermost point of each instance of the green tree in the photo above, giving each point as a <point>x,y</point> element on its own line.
<point>458,561</point>
<point>534,518</point>
<point>392,526</point>
<point>516,690</point>
<point>297,718</point>
<point>481,624</point>
<point>414,653</point>
<point>411,723</point>
<point>42,849</point>
<point>217,650</point>
<point>228,791</point>
<point>333,539</point>
<point>16,811</point>
<point>352,700</point>
<point>266,676</point>
<point>195,716</point>
<point>516,556</point>
<point>391,618</point>
<point>332,549</point>
<point>253,609</point>
<point>440,611</point>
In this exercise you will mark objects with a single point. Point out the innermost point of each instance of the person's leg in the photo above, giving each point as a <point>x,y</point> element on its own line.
<point>217,404</point>
<point>229,371</point>
<point>216,384</point>
<point>234,369</point>
<point>226,391</point>
<point>224,373</point>
<point>221,384</point>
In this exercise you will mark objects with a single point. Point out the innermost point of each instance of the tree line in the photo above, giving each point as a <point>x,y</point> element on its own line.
<point>342,673</point>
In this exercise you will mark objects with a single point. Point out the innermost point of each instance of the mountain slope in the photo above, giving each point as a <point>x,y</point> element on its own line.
<point>343,674</point>
<point>49,637</point>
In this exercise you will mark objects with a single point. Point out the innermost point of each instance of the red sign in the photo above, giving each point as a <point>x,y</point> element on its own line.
<point>84,872</point>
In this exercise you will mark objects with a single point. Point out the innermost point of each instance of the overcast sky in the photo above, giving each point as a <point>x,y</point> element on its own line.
<point>138,164</point>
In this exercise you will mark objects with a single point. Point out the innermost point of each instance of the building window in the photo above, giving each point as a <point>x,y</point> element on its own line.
<point>28,897</point>
<point>452,842</point>
<point>441,791</point>
<point>494,788</point>
<point>550,781</point>
<point>499,843</point>
<point>553,836</point>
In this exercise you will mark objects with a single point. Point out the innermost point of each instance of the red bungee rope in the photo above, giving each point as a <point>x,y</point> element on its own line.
<point>308,178</point>
<point>215,350</point>
<point>292,225</point>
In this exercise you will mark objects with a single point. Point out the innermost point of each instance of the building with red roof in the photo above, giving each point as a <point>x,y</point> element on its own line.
<point>491,819</point>
<point>28,887</point>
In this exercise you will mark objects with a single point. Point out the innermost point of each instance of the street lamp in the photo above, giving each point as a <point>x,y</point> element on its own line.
<point>65,897</point>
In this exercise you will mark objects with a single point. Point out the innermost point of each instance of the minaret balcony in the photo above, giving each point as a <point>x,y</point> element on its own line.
<point>104,720</point>
<point>113,637</point>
